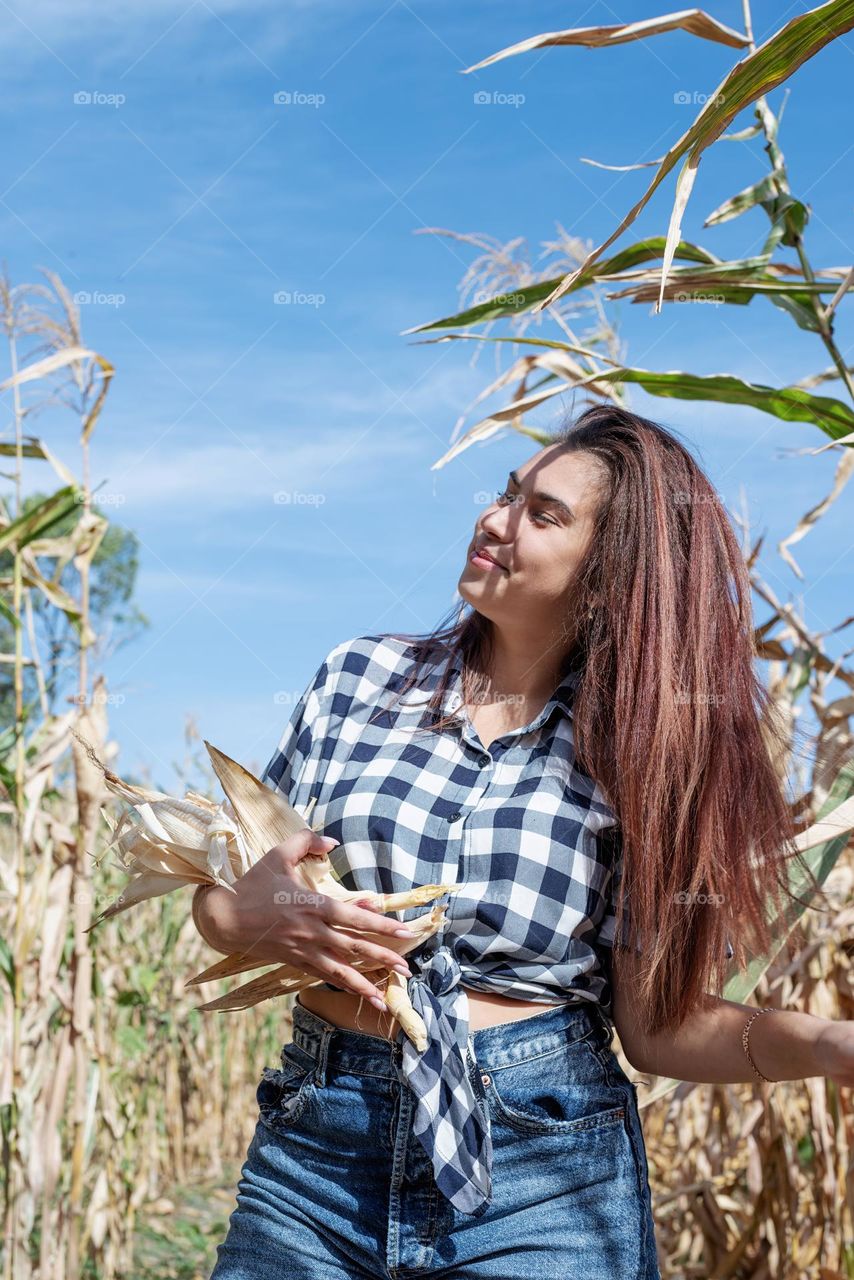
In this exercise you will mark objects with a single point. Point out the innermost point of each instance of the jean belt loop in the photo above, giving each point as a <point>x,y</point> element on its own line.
<point>323,1056</point>
<point>600,1023</point>
<point>607,1024</point>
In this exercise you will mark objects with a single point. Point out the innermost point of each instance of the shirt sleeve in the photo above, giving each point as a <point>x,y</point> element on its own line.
<point>607,928</point>
<point>610,845</point>
<point>298,746</point>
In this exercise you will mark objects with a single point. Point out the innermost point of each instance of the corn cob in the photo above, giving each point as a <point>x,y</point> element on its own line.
<point>165,843</point>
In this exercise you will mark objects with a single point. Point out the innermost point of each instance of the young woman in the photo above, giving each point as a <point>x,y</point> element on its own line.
<point>585,751</point>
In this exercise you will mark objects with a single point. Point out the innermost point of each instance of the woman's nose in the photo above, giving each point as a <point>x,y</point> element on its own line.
<point>494,524</point>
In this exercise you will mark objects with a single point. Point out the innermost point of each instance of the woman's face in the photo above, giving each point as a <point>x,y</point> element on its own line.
<point>539,541</point>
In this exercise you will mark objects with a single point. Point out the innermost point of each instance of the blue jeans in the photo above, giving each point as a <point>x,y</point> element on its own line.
<point>335,1185</point>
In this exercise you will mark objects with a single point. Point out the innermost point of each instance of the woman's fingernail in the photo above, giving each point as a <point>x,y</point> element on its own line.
<point>404,933</point>
<point>377,1003</point>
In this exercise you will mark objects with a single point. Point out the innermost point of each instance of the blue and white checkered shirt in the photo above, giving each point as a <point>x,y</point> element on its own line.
<point>526,832</point>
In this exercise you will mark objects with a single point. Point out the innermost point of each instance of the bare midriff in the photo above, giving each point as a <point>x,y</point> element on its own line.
<point>346,1010</point>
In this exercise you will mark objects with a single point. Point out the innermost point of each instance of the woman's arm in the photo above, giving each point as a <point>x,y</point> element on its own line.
<point>707,1047</point>
<point>205,919</point>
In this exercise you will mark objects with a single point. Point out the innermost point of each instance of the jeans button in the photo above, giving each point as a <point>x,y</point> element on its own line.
<point>485,1077</point>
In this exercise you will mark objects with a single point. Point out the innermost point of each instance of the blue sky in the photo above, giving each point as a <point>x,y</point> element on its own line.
<point>183,198</point>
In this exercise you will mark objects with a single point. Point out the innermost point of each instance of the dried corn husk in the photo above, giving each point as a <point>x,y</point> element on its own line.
<point>165,843</point>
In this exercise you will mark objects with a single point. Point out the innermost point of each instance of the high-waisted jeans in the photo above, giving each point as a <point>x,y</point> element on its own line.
<point>335,1185</point>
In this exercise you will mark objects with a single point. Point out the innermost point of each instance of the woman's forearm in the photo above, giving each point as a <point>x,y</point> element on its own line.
<point>707,1047</point>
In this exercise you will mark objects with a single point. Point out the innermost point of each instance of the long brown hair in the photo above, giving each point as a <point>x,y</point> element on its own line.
<point>669,714</point>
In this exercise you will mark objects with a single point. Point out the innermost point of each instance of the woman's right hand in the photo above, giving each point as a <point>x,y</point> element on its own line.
<point>273,917</point>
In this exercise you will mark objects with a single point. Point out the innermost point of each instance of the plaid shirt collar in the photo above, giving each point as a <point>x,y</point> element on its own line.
<point>562,697</point>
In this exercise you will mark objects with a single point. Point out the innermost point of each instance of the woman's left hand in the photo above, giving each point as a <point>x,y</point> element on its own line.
<point>834,1052</point>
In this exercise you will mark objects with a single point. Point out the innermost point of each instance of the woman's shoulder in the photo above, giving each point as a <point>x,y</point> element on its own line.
<point>378,660</point>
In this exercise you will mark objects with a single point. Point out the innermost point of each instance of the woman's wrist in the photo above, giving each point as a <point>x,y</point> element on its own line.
<point>783,1044</point>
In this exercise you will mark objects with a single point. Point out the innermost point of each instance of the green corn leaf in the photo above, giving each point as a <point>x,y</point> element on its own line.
<point>792,404</point>
<point>524,299</point>
<point>747,199</point>
<point>31,447</point>
<point>38,519</point>
<point>751,78</point>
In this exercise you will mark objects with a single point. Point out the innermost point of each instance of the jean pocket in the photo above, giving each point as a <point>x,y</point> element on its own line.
<point>283,1095</point>
<point>560,1092</point>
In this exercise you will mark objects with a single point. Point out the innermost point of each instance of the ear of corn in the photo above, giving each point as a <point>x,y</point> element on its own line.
<point>165,843</point>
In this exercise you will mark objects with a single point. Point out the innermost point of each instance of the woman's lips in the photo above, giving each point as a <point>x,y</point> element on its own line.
<point>483,562</point>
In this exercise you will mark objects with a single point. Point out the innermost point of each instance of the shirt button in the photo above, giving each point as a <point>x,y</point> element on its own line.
<point>485,1078</point>
<point>454,817</point>
<point>485,760</point>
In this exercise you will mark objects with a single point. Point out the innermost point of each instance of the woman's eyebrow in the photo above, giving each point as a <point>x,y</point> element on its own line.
<point>547,498</point>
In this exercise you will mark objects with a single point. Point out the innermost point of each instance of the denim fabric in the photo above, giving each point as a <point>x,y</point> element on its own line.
<point>335,1184</point>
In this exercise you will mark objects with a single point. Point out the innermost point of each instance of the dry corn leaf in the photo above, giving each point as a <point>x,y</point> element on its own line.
<point>842,475</point>
<point>165,843</point>
<point>695,21</point>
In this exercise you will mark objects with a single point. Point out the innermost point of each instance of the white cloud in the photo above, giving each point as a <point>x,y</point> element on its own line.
<point>231,474</point>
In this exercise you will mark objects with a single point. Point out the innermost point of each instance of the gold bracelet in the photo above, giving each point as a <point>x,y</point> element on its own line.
<point>757,1072</point>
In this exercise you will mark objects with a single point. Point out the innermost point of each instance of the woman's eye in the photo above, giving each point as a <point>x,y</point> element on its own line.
<point>507,496</point>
